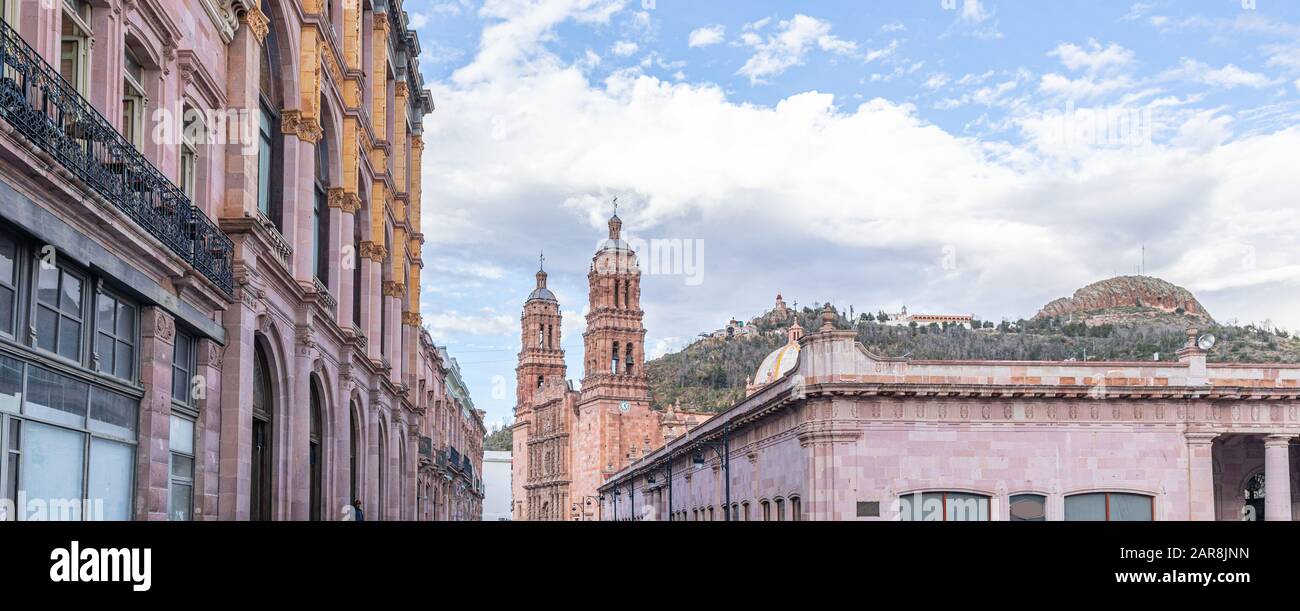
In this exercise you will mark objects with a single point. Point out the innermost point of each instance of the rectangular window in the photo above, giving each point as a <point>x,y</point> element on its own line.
<point>74,46</point>
<point>8,284</point>
<point>13,457</point>
<point>191,131</point>
<point>183,369</point>
<point>1028,508</point>
<point>110,482</point>
<point>52,469</point>
<point>58,311</point>
<point>56,398</point>
<point>180,501</point>
<point>11,384</point>
<point>265,145</point>
<point>133,99</point>
<point>318,238</point>
<point>115,323</point>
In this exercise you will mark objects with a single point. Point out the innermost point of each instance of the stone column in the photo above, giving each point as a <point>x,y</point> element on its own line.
<point>1277,477</point>
<point>153,456</point>
<point>295,469</point>
<point>1200,476</point>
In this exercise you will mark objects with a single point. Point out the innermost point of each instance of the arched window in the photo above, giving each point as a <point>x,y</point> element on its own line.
<point>944,507</point>
<point>1109,507</point>
<point>767,511</point>
<point>613,359</point>
<point>314,451</point>
<point>357,262</point>
<point>270,144</point>
<point>628,359</point>
<point>354,455</point>
<point>259,497</point>
<point>321,212</point>
<point>780,510</point>
<point>1028,508</point>
<point>796,509</point>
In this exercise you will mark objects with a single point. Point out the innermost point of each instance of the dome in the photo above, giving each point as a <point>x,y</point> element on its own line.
<point>780,362</point>
<point>542,293</point>
<point>777,364</point>
<point>615,244</point>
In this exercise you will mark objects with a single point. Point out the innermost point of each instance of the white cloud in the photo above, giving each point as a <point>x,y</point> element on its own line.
<point>624,48</point>
<point>1227,77</point>
<point>706,36</point>
<point>893,27</point>
<point>973,12</point>
<point>788,47</point>
<point>1082,88</point>
<point>1094,58</point>
<point>936,81</point>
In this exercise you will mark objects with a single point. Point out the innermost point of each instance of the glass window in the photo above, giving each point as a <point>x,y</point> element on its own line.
<point>191,129</point>
<point>180,502</point>
<point>8,283</point>
<point>780,510</point>
<point>115,337</point>
<point>795,509</point>
<point>74,47</point>
<point>944,507</point>
<point>265,150</point>
<point>112,414</point>
<point>1109,507</point>
<point>182,369</point>
<point>133,98</point>
<point>52,470</point>
<point>58,311</point>
<point>1028,508</point>
<point>11,384</point>
<point>13,458</point>
<point>109,491</point>
<point>55,397</point>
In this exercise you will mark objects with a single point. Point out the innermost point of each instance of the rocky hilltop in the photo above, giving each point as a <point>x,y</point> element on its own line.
<point>1127,299</point>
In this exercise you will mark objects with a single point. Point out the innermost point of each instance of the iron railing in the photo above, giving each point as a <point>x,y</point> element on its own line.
<point>454,459</point>
<point>48,111</point>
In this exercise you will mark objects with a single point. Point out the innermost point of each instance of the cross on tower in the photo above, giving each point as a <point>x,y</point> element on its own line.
<point>541,261</point>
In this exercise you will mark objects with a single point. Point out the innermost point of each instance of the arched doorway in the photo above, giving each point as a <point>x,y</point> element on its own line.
<point>1253,510</point>
<point>259,497</point>
<point>314,452</point>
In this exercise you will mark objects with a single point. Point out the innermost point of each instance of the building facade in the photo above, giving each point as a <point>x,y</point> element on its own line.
<point>210,263</point>
<point>834,432</point>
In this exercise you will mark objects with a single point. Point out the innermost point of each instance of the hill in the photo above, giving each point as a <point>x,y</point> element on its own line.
<point>1122,320</point>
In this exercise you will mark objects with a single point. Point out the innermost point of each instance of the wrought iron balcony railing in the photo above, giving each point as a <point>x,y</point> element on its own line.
<point>454,459</point>
<point>48,111</point>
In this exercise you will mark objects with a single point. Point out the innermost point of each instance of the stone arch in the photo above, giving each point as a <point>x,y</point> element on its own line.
<point>276,484</point>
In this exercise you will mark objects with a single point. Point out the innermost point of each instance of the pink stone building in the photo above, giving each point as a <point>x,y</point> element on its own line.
<point>209,266</point>
<point>837,433</point>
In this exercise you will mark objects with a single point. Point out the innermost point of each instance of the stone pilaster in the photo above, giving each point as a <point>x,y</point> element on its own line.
<point>1277,478</point>
<point>153,454</point>
<point>1200,476</point>
<point>208,443</point>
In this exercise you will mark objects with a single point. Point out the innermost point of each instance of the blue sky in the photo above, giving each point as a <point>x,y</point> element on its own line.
<point>966,157</point>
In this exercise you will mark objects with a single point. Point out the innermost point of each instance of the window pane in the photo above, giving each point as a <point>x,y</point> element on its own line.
<point>1086,507</point>
<point>111,464</point>
<point>962,507</point>
<point>7,310</point>
<point>112,414</point>
<point>11,384</point>
<point>70,301</point>
<point>1028,508</point>
<point>47,328</point>
<point>104,313</point>
<point>69,338</point>
<point>8,251</point>
<point>104,349</point>
<point>52,471</point>
<point>123,360</point>
<point>125,322</point>
<point>182,467</point>
<point>47,284</point>
<point>55,397</point>
<point>182,435</point>
<point>1130,507</point>
<point>178,506</point>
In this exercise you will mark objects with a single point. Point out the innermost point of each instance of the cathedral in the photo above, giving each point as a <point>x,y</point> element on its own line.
<point>566,441</point>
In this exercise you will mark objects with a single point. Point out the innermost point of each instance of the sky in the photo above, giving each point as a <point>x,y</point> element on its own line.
<point>954,156</point>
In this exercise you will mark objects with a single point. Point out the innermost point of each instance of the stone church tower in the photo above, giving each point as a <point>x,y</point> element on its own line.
<point>543,413</point>
<point>567,442</point>
<point>616,421</point>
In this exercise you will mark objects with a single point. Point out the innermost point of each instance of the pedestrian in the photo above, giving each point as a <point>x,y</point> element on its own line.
<point>357,514</point>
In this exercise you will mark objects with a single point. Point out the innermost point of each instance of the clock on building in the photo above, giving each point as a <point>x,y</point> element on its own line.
<point>624,407</point>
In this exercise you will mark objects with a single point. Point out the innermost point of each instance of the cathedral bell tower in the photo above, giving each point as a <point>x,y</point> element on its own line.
<point>617,423</point>
<point>541,360</point>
